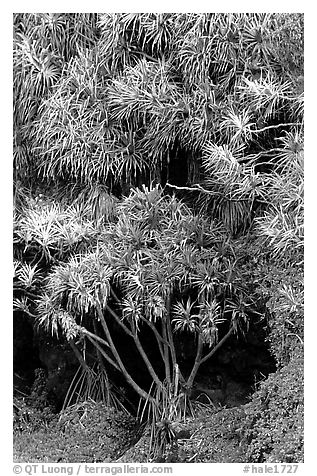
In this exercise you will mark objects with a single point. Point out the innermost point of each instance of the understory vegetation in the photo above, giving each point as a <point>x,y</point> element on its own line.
<point>158,237</point>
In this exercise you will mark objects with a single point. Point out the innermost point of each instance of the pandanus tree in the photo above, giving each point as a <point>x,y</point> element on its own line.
<point>156,267</point>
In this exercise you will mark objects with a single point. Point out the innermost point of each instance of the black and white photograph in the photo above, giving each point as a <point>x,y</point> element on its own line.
<point>158,241</point>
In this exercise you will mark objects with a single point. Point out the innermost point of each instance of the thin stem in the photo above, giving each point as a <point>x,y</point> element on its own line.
<point>114,294</point>
<point>220,343</point>
<point>99,355</point>
<point>25,291</point>
<point>78,354</point>
<point>103,353</point>
<point>146,360</point>
<point>144,54</point>
<point>138,346</point>
<point>119,321</point>
<point>197,363</point>
<point>198,188</point>
<point>276,126</point>
<point>170,334</point>
<point>159,344</point>
<point>166,358</point>
<point>84,331</point>
<point>157,335</point>
<point>176,382</point>
<point>116,355</point>
<point>26,311</point>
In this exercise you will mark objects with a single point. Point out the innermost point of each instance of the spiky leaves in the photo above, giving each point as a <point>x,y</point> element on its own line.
<point>152,83</point>
<point>141,89</point>
<point>77,286</point>
<point>50,231</point>
<point>155,251</point>
<point>42,43</point>
<point>283,223</point>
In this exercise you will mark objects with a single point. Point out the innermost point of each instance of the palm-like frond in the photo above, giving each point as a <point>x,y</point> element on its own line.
<point>210,316</point>
<point>257,36</point>
<point>80,284</point>
<point>157,32</point>
<point>51,230</point>
<point>96,203</point>
<point>132,310</point>
<point>48,314</point>
<point>185,320</point>
<point>28,276</point>
<point>284,233</point>
<point>287,38</point>
<point>41,43</point>
<point>237,127</point>
<point>222,160</point>
<point>155,309</point>
<point>194,56</point>
<point>291,154</point>
<point>266,95</point>
<point>79,140</point>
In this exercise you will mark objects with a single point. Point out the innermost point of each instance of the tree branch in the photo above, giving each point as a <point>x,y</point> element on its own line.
<point>166,358</point>
<point>119,321</point>
<point>197,363</point>
<point>78,354</point>
<point>198,188</point>
<point>157,334</point>
<point>116,355</point>
<point>99,355</point>
<point>170,334</point>
<point>220,343</point>
<point>103,353</point>
<point>158,338</point>
<point>138,346</point>
<point>276,126</point>
<point>146,360</point>
<point>94,336</point>
<point>25,291</point>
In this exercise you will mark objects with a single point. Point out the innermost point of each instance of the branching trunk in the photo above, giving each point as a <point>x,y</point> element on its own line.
<point>197,363</point>
<point>103,353</point>
<point>199,359</point>
<point>78,355</point>
<point>138,345</point>
<point>116,355</point>
<point>119,321</point>
<point>146,360</point>
<point>220,343</point>
<point>99,355</point>
<point>158,337</point>
<point>166,357</point>
<point>170,335</point>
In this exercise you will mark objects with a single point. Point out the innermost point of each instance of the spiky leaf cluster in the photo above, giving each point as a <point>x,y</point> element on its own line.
<point>154,251</point>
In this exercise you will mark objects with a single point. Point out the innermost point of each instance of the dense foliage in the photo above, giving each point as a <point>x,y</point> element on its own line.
<point>274,423</point>
<point>86,432</point>
<point>158,181</point>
